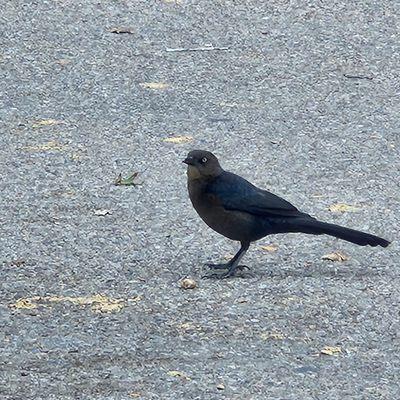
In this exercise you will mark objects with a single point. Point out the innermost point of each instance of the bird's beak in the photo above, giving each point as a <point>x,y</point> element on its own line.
<point>189,161</point>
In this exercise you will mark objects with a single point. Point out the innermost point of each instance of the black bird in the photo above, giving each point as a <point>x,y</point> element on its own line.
<point>241,211</point>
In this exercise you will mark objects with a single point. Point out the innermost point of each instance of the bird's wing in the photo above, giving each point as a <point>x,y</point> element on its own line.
<point>235,193</point>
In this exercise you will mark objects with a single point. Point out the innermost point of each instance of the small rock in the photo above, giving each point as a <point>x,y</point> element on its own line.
<point>221,386</point>
<point>188,283</point>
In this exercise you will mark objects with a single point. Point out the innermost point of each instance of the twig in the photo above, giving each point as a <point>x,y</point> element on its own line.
<point>205,48</point>
<point>358,77</point>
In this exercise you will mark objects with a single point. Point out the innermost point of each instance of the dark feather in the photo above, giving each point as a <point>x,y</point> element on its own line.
<point>235,193</point>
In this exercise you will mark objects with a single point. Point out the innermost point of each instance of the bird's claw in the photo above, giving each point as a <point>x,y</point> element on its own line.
<point>218,276</point>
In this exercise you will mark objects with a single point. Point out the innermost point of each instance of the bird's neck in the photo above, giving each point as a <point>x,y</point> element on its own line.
<point>194,174</point>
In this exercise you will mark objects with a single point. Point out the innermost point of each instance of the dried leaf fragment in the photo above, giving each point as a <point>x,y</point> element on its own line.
<point>120,30</point>
<point>134,299</point>
<point>270,247</point>
<point>98,302</point>
<point>342,207</point>
<point>17,262</point>
<point>107,307</point>
<point>331,350</point>
<point>272,336</point>
<point>24,304</point>
<point>129,181</point>
<point>49,146</point>
<point>154,85</point>
<point>178,374</point>
<point>224,104</point>
<point>186,326</point>
<point>75,156</point>
<point>63,61</point>
<point>179,139</point>
<point>102,213</point>
<point>335,256</point>
<point>242,300</point>
<point>46,122</point>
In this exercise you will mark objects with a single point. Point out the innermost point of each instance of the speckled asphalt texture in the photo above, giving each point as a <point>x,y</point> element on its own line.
<point>304,101</point>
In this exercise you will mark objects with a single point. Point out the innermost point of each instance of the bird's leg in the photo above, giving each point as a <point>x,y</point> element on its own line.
<point>235,259</point>
<point>232,265</point>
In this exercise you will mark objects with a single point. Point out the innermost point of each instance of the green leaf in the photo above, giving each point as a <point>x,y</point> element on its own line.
<point>127,181</point>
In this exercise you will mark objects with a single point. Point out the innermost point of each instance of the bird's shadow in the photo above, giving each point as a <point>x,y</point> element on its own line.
<point>267,272</point>
<point>317,271</point>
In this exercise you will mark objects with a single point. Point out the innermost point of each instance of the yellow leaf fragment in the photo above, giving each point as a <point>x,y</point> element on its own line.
<point>46,122</point>
<point>336,256</point>
<point>154,85</point>
<point>24,304</point>
<point>135,395</point>
<point>178,139</point>
<point>178,374</point>
<point>97,302</point>
<point>107,307</point>
<point>186,326</point>
<point>49,146</point>
<point>341,207</point>
<point>272,336</point>
<point>134,299</point>
<point>76,156</point>
<point>331,350</point>
<point>270,247</point>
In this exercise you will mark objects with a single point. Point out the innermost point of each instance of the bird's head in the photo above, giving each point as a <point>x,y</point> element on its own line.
<point>202,164</point>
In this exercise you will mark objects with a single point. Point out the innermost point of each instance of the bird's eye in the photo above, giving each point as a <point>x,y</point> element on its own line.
<point>204,160</point>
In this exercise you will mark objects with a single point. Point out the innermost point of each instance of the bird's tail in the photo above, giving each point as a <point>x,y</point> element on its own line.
<point>316,227</point>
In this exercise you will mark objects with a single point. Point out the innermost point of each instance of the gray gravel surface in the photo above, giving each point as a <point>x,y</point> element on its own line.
<point>305,102</point>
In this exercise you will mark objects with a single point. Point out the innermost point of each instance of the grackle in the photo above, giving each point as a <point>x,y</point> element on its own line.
<point>241,211</point>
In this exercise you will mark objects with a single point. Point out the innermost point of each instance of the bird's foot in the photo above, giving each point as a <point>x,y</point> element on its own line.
<point>225,275</point>
<point>218,276</point>
<point>226,266</point>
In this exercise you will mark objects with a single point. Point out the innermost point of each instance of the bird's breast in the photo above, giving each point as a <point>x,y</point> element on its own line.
<point>235,225</point>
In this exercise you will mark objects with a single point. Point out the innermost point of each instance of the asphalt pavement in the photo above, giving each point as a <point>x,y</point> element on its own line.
<point>301,98</point>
